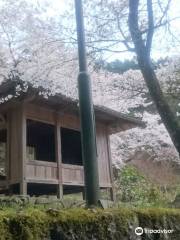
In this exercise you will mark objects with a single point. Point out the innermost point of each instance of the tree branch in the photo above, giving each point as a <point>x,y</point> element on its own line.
<point>150,27</point>
<point>125,41</point>
<point>143,55</point>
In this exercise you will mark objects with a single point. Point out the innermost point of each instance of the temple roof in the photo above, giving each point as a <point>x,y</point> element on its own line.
<point>13,91</point>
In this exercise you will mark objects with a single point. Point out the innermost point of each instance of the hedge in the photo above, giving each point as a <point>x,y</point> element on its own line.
<point>87,224</point>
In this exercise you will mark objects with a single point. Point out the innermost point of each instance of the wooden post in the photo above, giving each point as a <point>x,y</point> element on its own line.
<point>8,152</point>
<point>22,149</point>
<point>112,192</point>
<point>4,125</point>
<point>58,158</point>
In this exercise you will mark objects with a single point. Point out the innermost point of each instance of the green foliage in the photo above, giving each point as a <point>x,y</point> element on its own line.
<point>135,189</point>
<point>120,67</point>
<point>85,224</point>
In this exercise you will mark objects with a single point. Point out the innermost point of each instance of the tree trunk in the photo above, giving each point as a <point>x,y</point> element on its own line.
<point>143,54</point>
<point>167,115</point>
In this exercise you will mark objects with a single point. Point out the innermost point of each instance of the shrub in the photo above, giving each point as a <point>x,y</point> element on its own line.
<point>134,188</point>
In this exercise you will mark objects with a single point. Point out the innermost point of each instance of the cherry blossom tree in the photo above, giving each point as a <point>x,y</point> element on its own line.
<point>143,51</point>
<point>129,26</point>
<point>36,48</point>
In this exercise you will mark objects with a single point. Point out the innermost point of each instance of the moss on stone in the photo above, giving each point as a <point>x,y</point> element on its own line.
<point>82,224</point>
<point>160,218</point>
<point>100,224</point>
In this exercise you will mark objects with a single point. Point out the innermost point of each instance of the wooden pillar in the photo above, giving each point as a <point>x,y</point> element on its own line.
<point>112,190</point>
<point>58,158</point>
<point>17,147</point>
<point>4,125</point>
<point>22,149</point>
<point>8,152</point>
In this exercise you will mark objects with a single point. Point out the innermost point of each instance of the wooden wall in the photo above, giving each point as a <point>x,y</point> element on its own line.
<point>103,158</point>
<point>17,138</point>
<point>21,170</point>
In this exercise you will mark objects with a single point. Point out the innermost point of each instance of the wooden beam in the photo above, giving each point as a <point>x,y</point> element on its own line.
<point>43,181</point>
<point>58,157</point>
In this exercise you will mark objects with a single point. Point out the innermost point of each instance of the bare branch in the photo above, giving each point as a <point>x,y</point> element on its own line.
<point>96,49</point>
<point>16,62</point>
<point>162,24</point>
<point>163,11</point>
<point>125,41</point>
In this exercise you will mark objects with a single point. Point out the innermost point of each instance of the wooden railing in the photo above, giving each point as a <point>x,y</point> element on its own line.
<point>72,174</point>
<point>47,172</point>
<point>41,171</point>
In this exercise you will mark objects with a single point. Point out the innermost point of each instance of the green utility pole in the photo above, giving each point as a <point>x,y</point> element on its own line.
<point>88,133</point>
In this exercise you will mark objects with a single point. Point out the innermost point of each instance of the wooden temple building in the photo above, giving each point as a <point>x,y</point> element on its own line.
<point>40,142</point>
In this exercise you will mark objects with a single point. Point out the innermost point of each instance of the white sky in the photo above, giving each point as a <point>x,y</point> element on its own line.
<point>58,6</point>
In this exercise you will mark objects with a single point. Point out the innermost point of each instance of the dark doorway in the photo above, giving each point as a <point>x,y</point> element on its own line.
<point>71,147</point>
<point>3,153</point>
<point>40,141</point>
